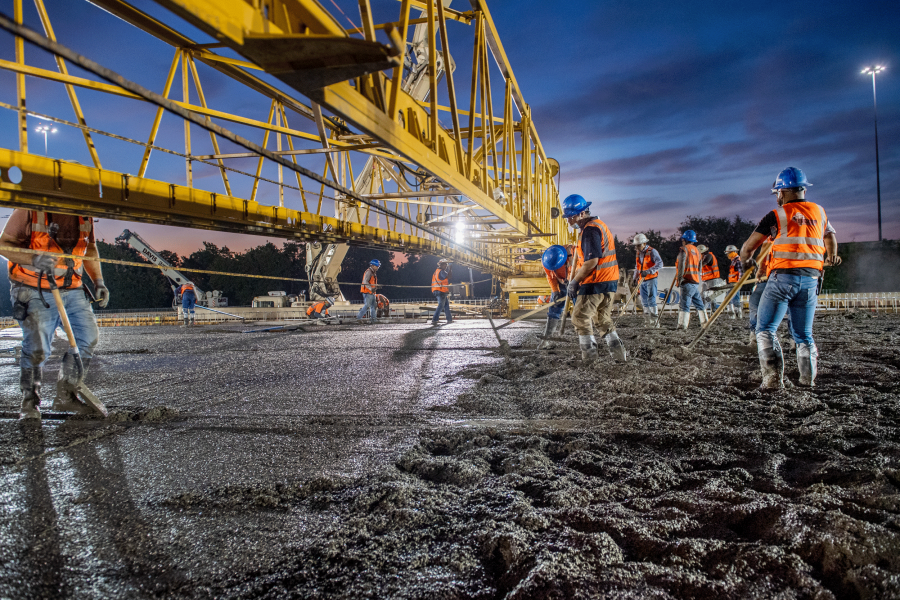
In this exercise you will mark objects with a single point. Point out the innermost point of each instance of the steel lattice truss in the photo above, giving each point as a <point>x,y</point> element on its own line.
<point>380,152</point>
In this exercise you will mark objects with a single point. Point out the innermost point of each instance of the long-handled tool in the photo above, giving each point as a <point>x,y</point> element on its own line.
<point>627,302</point>
<point>666,301</point>
<point>72,376</point>
<point>737,286</point>
<point>505,345</point>
<point>570,272</point>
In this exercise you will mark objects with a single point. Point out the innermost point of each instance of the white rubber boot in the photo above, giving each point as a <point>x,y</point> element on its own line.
<point>680,321</point>
<point>771,361</point>
<point>549,327</point>
<point>701,314</point>
<point>740,311</point>
<point>752,341</point>
<point>807,361</point>
<point>589,350</point>
<point>654,311</point>
<point>615,346</point>
<point>687,319</point>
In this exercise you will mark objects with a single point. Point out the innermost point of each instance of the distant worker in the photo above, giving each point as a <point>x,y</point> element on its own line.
<point>555,261</point>
<point>804,245</point>
<point>369,285</point>
<point>28,273</point>
<point>594,283</point>
<point>319,310</point>
<point>709,278</point>
<point>647,265</point>
<point>188,301</point>
<point>382,306</point>
<point>440,287</point>
<point>735,272</point>
<point>687,274</point>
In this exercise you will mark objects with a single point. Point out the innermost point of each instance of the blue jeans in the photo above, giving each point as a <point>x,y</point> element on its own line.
<point>648,293</point>
<point>188,301</point>
<point>555,312</point>
<point>754,304</point>
<point>369,305</point>
<point>791,294</point>
<point>40,323</point>
<point>443,301</point>
<point>690,296</point>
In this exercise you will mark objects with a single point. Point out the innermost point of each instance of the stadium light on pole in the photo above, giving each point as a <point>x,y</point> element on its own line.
<point>45,128</point>
<point>872,71</point>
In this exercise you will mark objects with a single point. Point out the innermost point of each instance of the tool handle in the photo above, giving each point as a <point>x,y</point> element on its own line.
<point>531,313</point>
<point>666,300</point>
<point>64,317</point>
<point>570,272</point>
<point>765,250</point>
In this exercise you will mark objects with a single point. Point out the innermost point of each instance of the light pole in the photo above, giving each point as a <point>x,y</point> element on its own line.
<point>45,128</point>
<point>872,71</point>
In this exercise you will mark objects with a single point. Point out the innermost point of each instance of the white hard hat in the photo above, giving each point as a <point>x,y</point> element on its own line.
<point>702,248</point>
<point>330,301</point>
<point>731,248</point>
<point>639,239</point>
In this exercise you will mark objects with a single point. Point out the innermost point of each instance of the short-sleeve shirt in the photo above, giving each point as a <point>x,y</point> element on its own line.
<point>768,226</point>
<point>18,227</point>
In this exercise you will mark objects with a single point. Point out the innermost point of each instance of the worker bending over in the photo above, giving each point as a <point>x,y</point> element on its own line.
<point>646,271</point>
<point>188,301</point>
<point>440,287</point>
<point>709,277</point>
<point>804,244</point>
<point>735,272</point>
<point>594,283</point>
<point>319,310</point>
<point>28,277</point>
<point>369,285</point>
<point>555,261</point>
<point>687,274</point>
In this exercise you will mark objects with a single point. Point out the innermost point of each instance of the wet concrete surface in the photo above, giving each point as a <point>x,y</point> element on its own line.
<point>405,461</point>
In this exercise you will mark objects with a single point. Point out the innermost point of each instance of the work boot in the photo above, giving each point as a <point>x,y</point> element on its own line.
<point>807,361</point>
<point>740,311</point>
<point>680,320</point>
<point>66,399</point>
<point>186,321</point>
<point>752,341</point>
<point>549,328</point>
<point>615,346</point>
<point>701,314</point>
<point>771,361</point>
<point>589,350</point>
<point>730,310</point>
<point>686,319</point>
<point>654,317</point>
<point>193,320</point>
<point>30,384</point>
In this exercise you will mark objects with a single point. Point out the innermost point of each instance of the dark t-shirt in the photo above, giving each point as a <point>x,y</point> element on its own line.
<point>769,226</point>
<point>592,247</point>
<point>18,227</point>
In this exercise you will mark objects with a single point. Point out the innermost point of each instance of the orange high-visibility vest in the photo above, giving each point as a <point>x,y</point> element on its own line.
<point>187,287</point>
<point>646,263</point>
<point>607,268</point>
<point>561,272</point>
<point>691,273</point>
<point>710,271</point>
<point>317,308</point>
<point>765,265</point>
<point>41,240</point>
<point>800,241</point>
<point>365,288</point>
<point>381,301</point>
<point>733,274</point>
<point>438,284</point>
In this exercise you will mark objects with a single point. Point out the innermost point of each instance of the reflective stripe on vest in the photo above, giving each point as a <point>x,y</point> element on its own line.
<point>733,274</point>
<point>187,288</point>
<point>316,308</point>
<point>645,263</point>
<point>372,281</point>
<point>691,273</point>
<point>800,242</point>
<point>710,271</point>
<point>438,284</point>
<point>41,240</point>
<point>607,268</point>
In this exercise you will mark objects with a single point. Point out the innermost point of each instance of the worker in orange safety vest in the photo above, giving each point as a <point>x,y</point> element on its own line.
<point>319,310</point>
<point>735,272</point>
<point>688,276</point>
<point>440,287</point>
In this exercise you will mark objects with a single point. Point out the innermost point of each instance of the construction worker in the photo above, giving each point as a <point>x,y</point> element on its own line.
<point>735,272</point>
<point>382,306</point>
<point>319,310</point>
<point>440,287</point>
<point>647,263</point>
<point>188,301</point>
<point>709,277</point>
<point>28,273</point>
<point>594,282</point>
<point>369,285</point>
<point>555,261</point>
<point>803,245</point>
<point>688,276</point>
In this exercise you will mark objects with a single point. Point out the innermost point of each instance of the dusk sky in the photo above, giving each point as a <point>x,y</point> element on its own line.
<point>656,110</point>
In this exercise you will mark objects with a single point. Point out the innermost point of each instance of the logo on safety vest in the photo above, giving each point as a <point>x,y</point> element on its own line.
<point>801,220</point>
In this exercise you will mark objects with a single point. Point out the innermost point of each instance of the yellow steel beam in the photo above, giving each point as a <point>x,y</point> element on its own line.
<point>66,187</point>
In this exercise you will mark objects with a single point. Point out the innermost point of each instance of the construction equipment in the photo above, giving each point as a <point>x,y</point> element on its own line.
<point>71,377</point>
<point>176,280</point>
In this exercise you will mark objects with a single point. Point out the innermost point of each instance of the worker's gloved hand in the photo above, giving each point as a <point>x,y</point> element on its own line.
<point>44,262</point>
<point>102,293</point>
<point>748,264</point>
<point>572,289</point>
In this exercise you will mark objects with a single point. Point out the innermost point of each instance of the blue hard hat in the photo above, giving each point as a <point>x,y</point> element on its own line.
<point>554,257</point>
<point>792,177</point>
<point>689,236</point>
<point>375,263</point>
<point>574,205</point>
